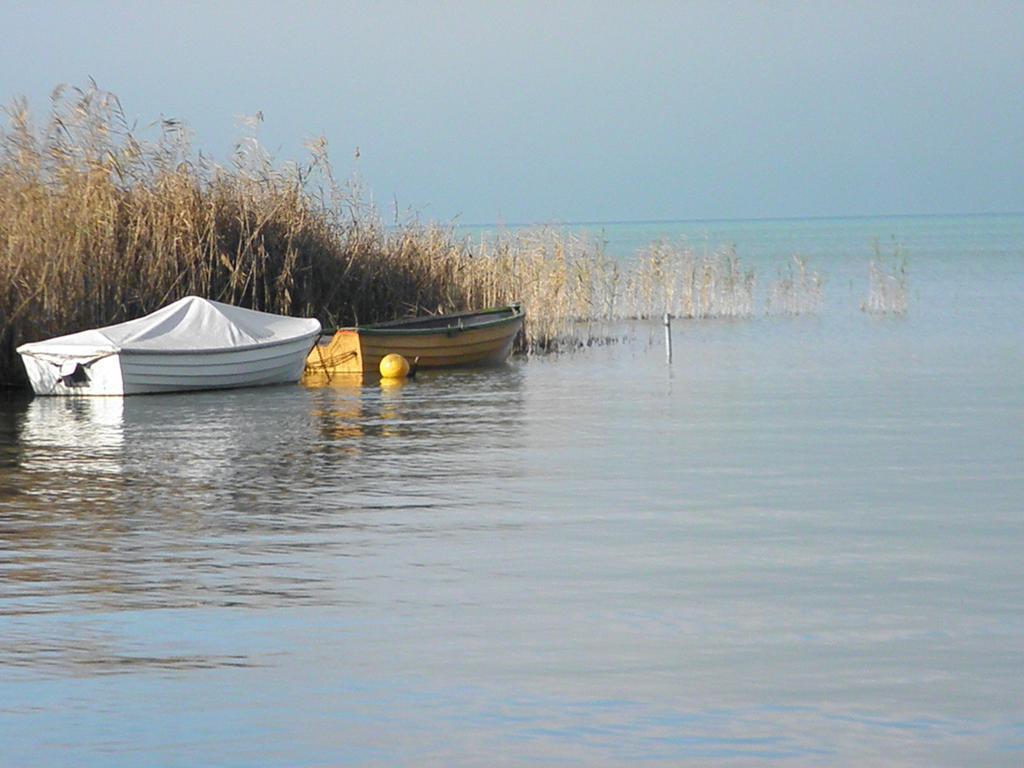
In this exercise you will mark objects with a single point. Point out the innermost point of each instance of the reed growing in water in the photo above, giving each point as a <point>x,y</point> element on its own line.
<point>887,283</point>
<point>798,291</point>
<point>99,224</point>
<point>674,279</point>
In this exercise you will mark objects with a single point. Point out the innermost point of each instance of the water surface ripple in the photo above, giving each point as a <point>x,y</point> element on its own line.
<point>799,545</point>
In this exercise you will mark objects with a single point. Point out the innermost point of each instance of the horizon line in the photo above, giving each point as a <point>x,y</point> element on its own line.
<point>726,219</point>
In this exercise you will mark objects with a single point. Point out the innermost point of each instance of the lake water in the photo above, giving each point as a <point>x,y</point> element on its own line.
<point>801,544</point>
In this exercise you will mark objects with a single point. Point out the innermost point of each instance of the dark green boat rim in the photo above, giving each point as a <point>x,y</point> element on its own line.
<point>402,327</point>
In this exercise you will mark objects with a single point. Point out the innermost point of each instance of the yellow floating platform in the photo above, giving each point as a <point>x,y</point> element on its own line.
<point>468,338</point>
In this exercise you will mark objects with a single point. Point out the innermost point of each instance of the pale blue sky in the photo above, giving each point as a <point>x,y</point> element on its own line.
<point>578,111</point>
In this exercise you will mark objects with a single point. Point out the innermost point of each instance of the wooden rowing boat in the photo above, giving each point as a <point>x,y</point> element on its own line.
<point>467,338</point>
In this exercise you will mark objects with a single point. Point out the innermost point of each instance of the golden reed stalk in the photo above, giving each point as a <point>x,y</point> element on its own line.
<point>98,226</point>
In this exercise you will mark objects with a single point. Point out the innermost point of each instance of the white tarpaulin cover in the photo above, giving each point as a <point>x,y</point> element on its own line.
<point>186,325</point>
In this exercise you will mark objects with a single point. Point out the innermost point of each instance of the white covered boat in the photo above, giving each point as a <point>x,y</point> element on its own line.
<point>190,344</point>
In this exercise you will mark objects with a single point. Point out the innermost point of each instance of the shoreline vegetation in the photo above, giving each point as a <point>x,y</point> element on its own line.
<point>99,225</point>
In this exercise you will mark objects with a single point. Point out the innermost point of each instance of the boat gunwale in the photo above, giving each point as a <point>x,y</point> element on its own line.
<point>310,336</point>
<point>401,327</point>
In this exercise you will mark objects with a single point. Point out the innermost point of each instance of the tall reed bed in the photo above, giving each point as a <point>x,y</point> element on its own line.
<point>101,223</point>
<point>98,225</point>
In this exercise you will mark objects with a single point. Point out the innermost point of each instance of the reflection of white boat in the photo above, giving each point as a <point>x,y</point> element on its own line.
<point>82,436</point>
<point>190,344</point>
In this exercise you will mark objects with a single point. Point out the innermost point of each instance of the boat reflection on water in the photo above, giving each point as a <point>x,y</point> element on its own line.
<point>355,406</point>
<point>84,434</point>
<point>338,414</point>
<point>205,498</point>
<point>417,444</point>
<point>60,520</point>
<point>63,453</point>
<point>447,408</point>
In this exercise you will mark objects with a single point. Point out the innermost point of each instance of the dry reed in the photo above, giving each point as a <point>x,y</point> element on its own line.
<point>888,279</point>
<point>673,279</point>
<point>100,225</point>
<point>798,291</point>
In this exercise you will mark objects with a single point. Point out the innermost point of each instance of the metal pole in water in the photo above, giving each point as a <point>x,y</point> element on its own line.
<point>668,338</point>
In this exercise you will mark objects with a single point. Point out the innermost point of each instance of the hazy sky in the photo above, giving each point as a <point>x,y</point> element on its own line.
<point>577,111</point>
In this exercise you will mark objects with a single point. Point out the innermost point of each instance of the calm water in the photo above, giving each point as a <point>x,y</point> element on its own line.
<point>802,544</point>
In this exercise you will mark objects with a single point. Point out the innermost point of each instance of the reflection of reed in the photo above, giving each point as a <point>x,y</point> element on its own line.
<point>12,411</point>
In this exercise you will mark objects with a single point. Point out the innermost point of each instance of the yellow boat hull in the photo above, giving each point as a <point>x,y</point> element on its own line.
<point>449,340</point>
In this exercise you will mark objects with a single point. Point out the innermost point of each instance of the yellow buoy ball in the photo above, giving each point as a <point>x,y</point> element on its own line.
<point>394,367</point>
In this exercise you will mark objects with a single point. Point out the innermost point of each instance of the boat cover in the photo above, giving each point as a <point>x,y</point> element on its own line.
<point>187,325</point>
